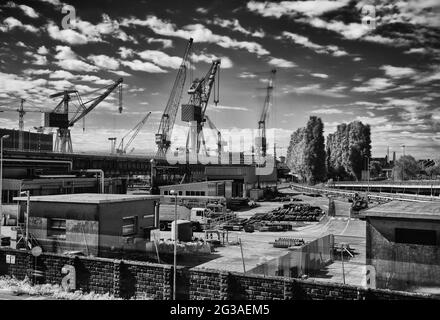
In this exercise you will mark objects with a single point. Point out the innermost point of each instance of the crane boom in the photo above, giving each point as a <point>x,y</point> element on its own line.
<point>95,102</point>
<point>135,132</point>
<point>163,136</point>
<point>194,111</point>
<point>261,140</point>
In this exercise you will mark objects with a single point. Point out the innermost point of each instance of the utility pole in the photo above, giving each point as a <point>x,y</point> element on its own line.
<point>1,178</point>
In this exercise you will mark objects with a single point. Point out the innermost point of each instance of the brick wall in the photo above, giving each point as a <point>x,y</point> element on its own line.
<point>143,280</point>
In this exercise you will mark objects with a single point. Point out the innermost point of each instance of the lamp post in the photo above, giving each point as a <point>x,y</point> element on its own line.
<point>174,193</point>
<point>1,178</point>
<point>28,195</point>
<point>403,162</point>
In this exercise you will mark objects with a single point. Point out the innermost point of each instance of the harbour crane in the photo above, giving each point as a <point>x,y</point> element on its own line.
<point>21,112</point>
<point>163,135</point>
<point>220,143</point>
<point>261,142</point>
<point>194,111</point>
<point>59,117</point>
<point>134,132</point>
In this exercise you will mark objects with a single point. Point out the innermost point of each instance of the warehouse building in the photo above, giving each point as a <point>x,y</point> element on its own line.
<point>105,225</point>
<point>220,188</point>
<point>403,245</point>
<point>32,141</point>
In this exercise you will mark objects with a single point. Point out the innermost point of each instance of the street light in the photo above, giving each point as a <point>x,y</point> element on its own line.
<point>1,178</point>
<point>174,193</point>
<point>28,195</point>
<point>403,162</point>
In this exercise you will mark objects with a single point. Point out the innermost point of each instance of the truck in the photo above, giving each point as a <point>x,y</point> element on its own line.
<point>201,218</point>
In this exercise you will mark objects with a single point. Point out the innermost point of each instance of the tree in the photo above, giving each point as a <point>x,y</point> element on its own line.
<point>306,152</point>
<point>375,168</point>
<point>433,171</point>
<point>314,151</point>
<point>406,168</point>
<point>347,150</point>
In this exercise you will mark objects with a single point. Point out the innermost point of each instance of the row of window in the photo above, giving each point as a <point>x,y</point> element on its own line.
<point>187,193</point>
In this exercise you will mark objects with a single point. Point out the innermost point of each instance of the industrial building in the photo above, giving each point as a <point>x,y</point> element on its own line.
<point>403,245</point>
<point>220,188</point>
<point>31,141</point>
<point>104,225</point>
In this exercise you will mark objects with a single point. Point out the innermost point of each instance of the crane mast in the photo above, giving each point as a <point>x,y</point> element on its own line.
<point>163,135</point>
<point>59,116</point>
<point>261,142</point>
<point>194,111</point>
<point>135,131</point>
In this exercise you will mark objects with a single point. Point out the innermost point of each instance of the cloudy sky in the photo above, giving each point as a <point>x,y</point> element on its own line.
<point>328,62</point>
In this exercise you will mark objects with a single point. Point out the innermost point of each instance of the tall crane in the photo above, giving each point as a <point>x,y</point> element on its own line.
<point>163,135</point>
<point>194,111</point>
<point>261,142</point>
<point>21,113</point>
<point>220,143</point>
<point>59,116</point>
<point>134,132</point>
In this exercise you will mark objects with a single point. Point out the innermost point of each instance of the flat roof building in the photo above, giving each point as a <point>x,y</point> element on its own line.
<point>403,245</point>
<point>109,225</point>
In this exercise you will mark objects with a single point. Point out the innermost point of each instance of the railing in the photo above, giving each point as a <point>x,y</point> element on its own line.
<point>372,195</point>
<point>427,183</point>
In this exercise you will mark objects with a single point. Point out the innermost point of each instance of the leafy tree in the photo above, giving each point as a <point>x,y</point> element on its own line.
<point>347,149</point>
<point>434,170</point>
<point>314,151</point>
<point>375,168</point>
<point>306,152</point>
<point>406,168</point>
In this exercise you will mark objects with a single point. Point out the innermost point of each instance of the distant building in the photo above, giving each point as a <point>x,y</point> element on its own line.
<point>105,225</point>
<point>221,188</point>
<point>403,245</point>
<point>32,141</point>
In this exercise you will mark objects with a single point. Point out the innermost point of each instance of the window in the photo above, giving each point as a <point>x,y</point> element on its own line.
<point>187,193</point>
<point>416,236</point>
<point>202,193</point>
<point>180,193</point>
<point>56,228</point>
<point>165,192</point>
<point>129,226</point>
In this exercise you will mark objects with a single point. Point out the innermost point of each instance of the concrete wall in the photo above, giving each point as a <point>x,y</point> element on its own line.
<point>305,259</point>
<point>401,266</point>
<point>132,279</point>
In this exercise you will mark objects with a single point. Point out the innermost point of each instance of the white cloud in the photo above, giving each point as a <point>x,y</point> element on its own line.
<point>11,23</point>
<point>36,71</point>
<point>68,60</point>
<point>308,8</point>
<point>125,52</point>
<point>374,84</point>
<point>246,75</point>
<point>121,73</point>
<point>166,43</point>
<point>312,89</point>
<point>235,25</point>
<point>320,75</point>
<point>69,36</point>
<point>305,42</point>
<point>226,63</point>
<point>139,65</point>
<point>29,11</point>
<point>61,74</point>
<point>161,59</point>
<point>104,62</point>
<point>196,31</point>
<point>281,63</point>
<point>330,111</point>
<point>218,108</point>
<point>42,50</point>
<point>398,72</point>
<point>39,60</point>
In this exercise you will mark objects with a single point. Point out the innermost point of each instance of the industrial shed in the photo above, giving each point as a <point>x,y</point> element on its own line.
<point>107,225</point>
<point>403,245</point>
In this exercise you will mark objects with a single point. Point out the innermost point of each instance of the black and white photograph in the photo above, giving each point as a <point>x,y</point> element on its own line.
<point>237,152</point>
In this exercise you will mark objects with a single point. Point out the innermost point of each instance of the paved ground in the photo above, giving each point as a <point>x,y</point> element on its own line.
<point>258,248</point>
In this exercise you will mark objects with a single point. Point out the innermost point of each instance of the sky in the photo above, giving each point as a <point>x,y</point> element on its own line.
<point>330,63</point>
